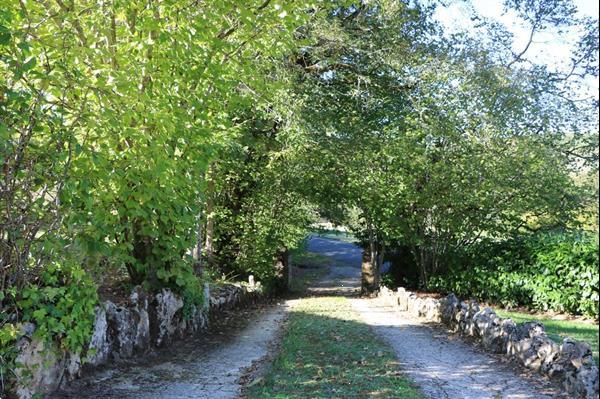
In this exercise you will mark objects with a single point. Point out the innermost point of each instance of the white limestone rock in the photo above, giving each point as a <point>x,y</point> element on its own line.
<point>100,345</point>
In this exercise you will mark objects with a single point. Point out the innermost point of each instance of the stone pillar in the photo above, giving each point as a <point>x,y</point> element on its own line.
<point>206,303</point>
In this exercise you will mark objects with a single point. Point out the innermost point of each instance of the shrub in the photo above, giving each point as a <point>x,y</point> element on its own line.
<point>61,305</point>
<point>403,270</point>
<point>181,279</point>
<point>556,272</point>
<point>60,302</point>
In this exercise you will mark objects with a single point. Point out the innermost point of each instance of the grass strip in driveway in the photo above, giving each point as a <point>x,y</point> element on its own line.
<point>327,352</point>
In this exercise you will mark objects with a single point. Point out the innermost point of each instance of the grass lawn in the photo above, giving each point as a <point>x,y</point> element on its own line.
<point>558,329</point>
<point>302,277</point>
<point>306,268</point>
<point>328,353</point>
<point>306,259</point>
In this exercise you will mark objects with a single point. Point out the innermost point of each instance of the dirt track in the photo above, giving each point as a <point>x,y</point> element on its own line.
<point>205,367</point>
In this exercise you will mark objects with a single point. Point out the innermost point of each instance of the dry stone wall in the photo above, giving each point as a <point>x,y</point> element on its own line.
<point>571,361</point>
<point>126,331</point>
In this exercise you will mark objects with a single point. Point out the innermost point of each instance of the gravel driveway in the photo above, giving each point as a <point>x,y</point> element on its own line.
<point>210,366</point>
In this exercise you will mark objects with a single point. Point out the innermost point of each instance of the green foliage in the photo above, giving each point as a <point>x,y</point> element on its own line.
<point>158,137</point>
<point>388,280</point>
<point>180,277</point>
<point>9,333</point>
<point>437,141</point>
<point>61,305</point>
<point>256,213</point>
<point>556,272</point>
<point>403,270</point>
<point>110,115</point>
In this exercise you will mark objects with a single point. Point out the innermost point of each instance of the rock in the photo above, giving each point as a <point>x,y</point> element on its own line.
<point>583,382</point>
<point>433,310</point>
<point>572,361</point>
<point>574,353</point>
<point>73,367</point>
<point>228,296</point>
<point>470,327</point>
<point>414,305</point>
<point>507,327</point>
<point>424,308</point>
<point>41,367</point>
<point>534,329</point>
<point>206,303</point>
<point>449,309</point>
<point>139,299</point>
<point>26,329</point>
<point>548,352</point>
<point>526,342</point>
<point>489,328</point>
<point>100,345</point>
<point>575,364</point>
<point>118,332</point>
<point>122,329</point>
<point>135,295</point>
<point>388,297</point>
<point>167,316</point>
<point>484,319</point>
<point>460,317</point>
<point>142,330</point>
<point>198,320</point>
<point>402,299</point>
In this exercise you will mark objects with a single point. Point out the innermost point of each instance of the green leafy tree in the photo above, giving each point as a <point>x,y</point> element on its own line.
<point>438,141</point>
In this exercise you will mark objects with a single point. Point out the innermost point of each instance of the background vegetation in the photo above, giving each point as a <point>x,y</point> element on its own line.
<point>549,271</point>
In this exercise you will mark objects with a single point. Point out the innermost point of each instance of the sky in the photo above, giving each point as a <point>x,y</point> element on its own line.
<point>549,48</point>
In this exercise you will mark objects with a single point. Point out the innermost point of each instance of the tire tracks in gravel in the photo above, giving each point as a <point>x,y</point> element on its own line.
<point>449,369</point>
<point>216,364</point>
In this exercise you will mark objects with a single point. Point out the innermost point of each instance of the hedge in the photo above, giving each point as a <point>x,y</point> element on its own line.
<point>557,272</point>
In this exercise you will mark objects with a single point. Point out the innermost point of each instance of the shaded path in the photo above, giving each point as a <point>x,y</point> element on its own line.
<point>342,277</point>
<point>208,366</point>
<point>205,367</point>
<point>343,253</point>
<point>443,368</point>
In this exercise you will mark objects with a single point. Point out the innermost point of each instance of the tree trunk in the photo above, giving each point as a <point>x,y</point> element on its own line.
<point>370,273</point>
<point>370,265</point>
<point>288,259</point>
<point>197,251</point>
<point>420,254</point>
<point>282,267</point>
<point>210,227</point>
